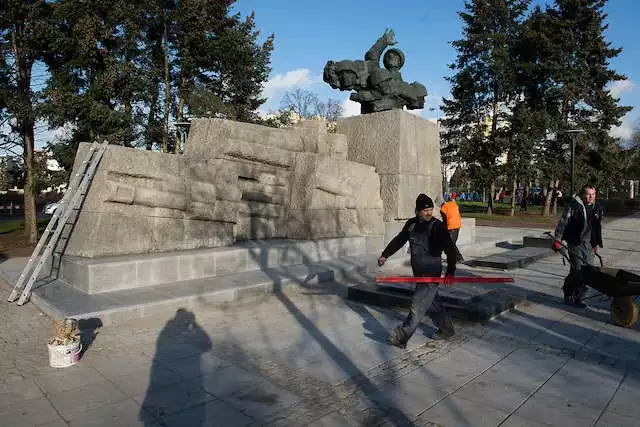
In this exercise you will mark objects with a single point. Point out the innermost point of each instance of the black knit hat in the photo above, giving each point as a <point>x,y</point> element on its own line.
<point>423,202</point>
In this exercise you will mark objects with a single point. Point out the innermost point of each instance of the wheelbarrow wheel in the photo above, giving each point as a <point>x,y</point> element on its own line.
<point>624,312</point>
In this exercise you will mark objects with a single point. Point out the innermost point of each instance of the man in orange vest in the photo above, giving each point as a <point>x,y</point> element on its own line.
<point>452,219</point>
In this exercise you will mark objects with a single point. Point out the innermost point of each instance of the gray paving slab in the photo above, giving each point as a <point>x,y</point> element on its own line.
<point>442,376</point>
<point>558,411</point>
<point>457,412</point>
<point>56,423</point>
<point>29,412</point>
<point>226,381</point>
<point>213,413</point>
<point>60,380</point>
<point>516,421</point>
<point>408,395</point>
<point>123,413</point>
<point>16,391</point>
<point>495,393</point>
<point>173,399</point>
<point>611,419</point>
<point>71,402</point>
<point>261,399</point>
<point>625,401</point>
<point>138,382</point>
<point>334,419</point>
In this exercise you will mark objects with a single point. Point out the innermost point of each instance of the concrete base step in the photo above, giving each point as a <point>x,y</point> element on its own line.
<point>110,274</point>
<point>537,242</point>
<point>60,300</point>
<point>516,258</point>
<point>461,301</point>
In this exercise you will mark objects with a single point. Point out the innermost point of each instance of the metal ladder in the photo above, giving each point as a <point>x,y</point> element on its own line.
<point>73,198</point>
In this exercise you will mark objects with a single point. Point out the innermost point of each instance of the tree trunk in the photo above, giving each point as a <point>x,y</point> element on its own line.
<point>151,119</point>
<point>547,201</point>
<point>25,122</point>
<point>514,188</point>
<point>180,118</point>
<point>128,110</point>
<point>490,201</point>
<point>30,217</point>
<point>167,90</point>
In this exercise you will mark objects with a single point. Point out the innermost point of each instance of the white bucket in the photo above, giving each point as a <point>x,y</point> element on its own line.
<point>62,356</point>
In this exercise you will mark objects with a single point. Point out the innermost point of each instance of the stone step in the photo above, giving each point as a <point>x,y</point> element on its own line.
<point>109,274</point>
<point>516,258</point>
<point>60,300</point>
<point>464,302</point>
<point>537,241</point>
<point>402,258</point>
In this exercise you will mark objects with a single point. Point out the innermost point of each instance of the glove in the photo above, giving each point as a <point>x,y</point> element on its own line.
<point>381,261</point>
<point>556,245</point>
<point>448,280</point>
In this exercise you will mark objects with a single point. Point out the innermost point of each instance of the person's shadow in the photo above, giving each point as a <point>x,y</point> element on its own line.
<point>162,400</point>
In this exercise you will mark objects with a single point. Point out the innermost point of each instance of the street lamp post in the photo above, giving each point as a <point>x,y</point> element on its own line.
<point>573,156</point>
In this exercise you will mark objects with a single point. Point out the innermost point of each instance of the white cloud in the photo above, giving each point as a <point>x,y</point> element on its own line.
<point>350,108</point>
<point>279,83</point>
<point>624,131</point>
<point>621,86</point>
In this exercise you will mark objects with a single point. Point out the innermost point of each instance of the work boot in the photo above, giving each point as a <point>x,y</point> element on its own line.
<point>443,334</point>
<point>398,338</point>
<point>577,302</point>
<point>568,298</point>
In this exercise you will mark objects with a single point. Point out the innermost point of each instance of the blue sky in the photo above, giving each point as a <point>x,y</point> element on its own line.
<point>310,33</point>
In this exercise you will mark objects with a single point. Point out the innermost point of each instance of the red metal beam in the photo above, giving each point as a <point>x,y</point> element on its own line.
<point>456,279</point>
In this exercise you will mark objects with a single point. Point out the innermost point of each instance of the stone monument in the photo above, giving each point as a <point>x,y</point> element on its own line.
<point>376,88</point>
<point>235,181</point>
<point>404,148</point>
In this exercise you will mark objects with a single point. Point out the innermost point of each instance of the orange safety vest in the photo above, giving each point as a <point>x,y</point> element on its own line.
<point>451,212</point>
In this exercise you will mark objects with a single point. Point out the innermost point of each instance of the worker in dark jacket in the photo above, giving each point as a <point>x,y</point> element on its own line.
<point>428,238</point>
<point>581,227</point>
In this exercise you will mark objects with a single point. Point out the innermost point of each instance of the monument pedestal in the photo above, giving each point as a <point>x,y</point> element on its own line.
<point>404,149</point>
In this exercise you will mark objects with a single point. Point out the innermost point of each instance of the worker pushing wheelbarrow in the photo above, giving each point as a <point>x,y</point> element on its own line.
<point>581,228</point>
<point>621,286</point>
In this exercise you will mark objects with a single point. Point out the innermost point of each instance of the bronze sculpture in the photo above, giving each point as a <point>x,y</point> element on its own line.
<point>376,88</point>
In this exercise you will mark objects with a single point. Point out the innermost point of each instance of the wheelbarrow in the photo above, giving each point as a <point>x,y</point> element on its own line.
<point>620,286</point>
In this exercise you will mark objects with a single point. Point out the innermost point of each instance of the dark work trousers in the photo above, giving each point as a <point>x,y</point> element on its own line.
<point>454,238</point>
<point>426,301</point>
<point>580,256</point>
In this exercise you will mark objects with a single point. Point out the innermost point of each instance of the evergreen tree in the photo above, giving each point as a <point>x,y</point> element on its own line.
<point>483,86</point>
<point>578,63</point>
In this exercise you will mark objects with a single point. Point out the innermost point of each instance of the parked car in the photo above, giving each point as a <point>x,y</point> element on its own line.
<point>50,208</point>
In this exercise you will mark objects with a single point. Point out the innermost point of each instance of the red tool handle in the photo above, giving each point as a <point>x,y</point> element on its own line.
<point>456,279</point>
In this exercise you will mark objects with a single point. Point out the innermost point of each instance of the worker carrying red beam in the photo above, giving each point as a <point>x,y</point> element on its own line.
<point>428,238</point>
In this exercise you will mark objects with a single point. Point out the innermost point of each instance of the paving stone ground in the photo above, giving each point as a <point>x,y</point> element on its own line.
<point>315,359</point>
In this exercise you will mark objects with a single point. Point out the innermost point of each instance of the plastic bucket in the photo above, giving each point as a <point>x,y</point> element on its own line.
<point>62,356</point>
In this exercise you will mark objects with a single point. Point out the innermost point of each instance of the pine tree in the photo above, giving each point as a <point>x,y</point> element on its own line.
<point>483,86</point>
<point>578,63</point>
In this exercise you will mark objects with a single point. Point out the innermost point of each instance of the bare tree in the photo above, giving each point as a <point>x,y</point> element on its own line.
<point>307,104</point>
<point>331,110</point>
<point>302,101</point>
